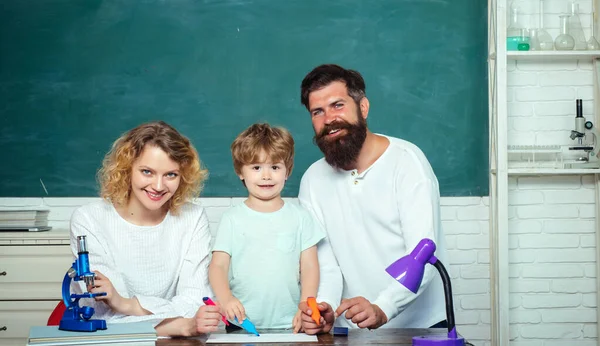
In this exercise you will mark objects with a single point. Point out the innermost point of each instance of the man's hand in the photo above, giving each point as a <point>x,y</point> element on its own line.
<point>207,318</point>
<point>309,325</point>
<point>360,311</point>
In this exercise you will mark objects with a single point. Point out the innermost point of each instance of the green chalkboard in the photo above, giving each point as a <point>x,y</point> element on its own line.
<point>75,74</point>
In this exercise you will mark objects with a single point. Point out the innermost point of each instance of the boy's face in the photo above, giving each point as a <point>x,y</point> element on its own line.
<point>264,179</point>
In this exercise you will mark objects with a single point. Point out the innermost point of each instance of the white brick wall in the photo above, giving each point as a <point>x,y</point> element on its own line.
<point>553,286</point>
<point>465,222</point>
<point>552,218</point>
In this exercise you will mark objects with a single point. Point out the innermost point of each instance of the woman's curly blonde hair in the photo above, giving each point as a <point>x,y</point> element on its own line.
<point>115,175</point>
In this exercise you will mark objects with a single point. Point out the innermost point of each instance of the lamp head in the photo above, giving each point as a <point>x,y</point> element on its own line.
<point>409,269</point>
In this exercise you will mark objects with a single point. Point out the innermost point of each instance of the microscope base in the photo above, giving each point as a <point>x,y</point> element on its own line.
<point>82,326</point>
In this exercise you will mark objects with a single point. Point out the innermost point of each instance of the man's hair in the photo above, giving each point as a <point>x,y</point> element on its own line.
<point>276,142</point>
<point>115,175</point>
<point>323,75</point>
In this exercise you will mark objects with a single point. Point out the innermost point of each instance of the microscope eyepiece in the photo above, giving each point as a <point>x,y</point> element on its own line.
<point>81,244</point>
<point>579,108</point>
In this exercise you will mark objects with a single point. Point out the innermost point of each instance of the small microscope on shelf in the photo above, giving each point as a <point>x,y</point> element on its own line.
<point>586,135</point>
<point>78,318</point>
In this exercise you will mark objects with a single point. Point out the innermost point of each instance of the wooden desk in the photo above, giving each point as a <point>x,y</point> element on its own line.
<point>400,337</point>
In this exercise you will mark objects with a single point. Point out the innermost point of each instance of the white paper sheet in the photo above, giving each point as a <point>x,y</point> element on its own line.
<point>251,338</point>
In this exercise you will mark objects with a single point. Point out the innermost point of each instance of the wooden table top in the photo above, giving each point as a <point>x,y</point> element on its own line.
<point>356,337</point>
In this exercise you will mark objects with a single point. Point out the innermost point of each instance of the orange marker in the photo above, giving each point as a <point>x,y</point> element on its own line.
<point>312,304</point>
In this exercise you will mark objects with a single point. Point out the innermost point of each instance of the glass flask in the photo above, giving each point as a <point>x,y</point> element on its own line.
<point>564,41</point>
<point>592,43</point>
<point>575,29</point>
<point>545,40</point>
<point>534,40</point>
<point>517,37</point>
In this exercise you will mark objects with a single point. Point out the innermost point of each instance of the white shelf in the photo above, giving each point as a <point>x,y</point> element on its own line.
<point>552,171</point>
<point>54,234</point>
<point>553,55</point>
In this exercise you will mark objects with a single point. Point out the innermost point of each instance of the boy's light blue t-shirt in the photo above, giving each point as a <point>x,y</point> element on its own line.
<point>265,248</point>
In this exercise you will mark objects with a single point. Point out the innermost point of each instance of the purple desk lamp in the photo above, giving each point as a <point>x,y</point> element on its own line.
<point>408,271</point>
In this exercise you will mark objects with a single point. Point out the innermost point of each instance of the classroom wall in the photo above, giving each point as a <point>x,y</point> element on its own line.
<point>552,218</point>
<point>465,222</point>
<point>552,239</point>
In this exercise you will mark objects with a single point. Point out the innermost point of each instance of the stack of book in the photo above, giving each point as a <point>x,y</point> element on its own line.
<point>131,334</point>
<point>24,220</point>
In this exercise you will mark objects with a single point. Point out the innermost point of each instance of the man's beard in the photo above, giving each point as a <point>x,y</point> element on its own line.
<point>343,151</point>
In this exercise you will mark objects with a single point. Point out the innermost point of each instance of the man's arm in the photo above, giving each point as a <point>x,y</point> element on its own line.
<point>420,219</point>
<point>418,207</point>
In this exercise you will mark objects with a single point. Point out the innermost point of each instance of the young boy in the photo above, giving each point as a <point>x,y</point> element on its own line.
<point>264,259</point>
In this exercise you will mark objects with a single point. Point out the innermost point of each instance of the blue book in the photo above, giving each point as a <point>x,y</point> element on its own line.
<point>134,333</point>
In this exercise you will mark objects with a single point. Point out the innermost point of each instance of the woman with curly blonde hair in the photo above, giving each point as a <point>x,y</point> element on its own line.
<point>148,245</point>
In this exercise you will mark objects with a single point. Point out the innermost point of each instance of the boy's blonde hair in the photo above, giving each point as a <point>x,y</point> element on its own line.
<point>276,142</point>
<point>115,175</point>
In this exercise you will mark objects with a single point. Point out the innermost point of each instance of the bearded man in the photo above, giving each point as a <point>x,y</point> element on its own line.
<point>376,196</point>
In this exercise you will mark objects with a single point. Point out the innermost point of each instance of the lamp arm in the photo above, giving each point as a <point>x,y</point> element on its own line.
<point>447,293</point>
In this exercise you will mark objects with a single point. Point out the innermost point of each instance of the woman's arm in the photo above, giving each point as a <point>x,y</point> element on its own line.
<point>120,304</point>
<point>178,326</point>
<point>101,260</point>
<point>205,321</point>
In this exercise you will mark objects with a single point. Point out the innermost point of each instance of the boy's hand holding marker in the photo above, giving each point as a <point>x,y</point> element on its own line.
<point>233,309</point>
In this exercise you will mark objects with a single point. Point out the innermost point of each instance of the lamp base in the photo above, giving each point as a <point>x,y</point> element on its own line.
<point>438,340</point>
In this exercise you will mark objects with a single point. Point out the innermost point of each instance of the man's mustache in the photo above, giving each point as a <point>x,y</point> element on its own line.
<point>337,125</point>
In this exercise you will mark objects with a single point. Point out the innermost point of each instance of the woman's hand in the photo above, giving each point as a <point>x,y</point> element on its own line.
<point>125,306</point>
<point>207,318</point>
<point>112,298</point>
